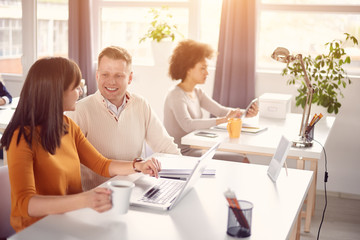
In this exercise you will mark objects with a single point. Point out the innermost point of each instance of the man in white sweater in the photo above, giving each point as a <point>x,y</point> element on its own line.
<point>116,121</point>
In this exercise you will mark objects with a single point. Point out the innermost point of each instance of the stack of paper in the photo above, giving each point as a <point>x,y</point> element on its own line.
<point>247,128</point>
<point>183,173</point>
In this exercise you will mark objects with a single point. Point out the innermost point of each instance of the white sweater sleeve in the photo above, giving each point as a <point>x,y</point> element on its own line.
<point>211,105</point>
<point>156,135</point>
<point>80,118</point>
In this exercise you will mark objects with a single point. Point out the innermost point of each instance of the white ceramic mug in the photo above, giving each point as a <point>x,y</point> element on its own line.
<point>121,192</point>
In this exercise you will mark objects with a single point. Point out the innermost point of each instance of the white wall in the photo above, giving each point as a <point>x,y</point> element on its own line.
<point>342,147</point>
<point>153,83</point>
<point>14,85</point>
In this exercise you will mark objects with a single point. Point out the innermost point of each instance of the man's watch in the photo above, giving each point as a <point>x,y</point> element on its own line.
<point>138,159</point>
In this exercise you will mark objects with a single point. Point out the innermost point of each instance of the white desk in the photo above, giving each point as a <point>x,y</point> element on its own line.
<point>201,214</point>
<point>265,143</point>
<point>11,105</point>
<point>5,117</point>
<point>6,113</point>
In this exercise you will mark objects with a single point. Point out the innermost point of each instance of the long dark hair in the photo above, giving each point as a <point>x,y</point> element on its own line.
<point>41,103</point>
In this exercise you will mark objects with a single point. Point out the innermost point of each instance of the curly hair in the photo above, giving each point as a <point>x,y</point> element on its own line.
<point>186,55</point>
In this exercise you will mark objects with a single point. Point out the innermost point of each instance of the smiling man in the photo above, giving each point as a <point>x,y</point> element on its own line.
<point>116,121</point>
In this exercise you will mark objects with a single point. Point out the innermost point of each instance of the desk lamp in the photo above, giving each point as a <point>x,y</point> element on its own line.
<point>283,55</point>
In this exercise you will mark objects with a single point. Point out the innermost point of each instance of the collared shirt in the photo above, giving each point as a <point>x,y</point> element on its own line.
<point>116,110</point>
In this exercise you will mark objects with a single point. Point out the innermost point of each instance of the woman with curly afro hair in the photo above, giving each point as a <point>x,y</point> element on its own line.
<point>185,101</point>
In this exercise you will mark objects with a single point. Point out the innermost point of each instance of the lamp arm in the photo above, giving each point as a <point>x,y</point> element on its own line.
<point>307,81</point>
<point>307,107</point>
<point>283,55</point>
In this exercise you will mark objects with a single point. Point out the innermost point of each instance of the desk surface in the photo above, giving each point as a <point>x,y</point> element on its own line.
<point>6,113</point>
<point>265,142</point>
<point>201,214</point>
<point>5,117</point>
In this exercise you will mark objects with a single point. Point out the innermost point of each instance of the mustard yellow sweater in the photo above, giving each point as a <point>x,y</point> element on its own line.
<point>34,171</point>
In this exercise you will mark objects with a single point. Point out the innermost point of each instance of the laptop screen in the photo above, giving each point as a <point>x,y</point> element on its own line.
<point>197,171</point>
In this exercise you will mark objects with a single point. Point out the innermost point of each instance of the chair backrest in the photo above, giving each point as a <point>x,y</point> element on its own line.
<point>5,204</point>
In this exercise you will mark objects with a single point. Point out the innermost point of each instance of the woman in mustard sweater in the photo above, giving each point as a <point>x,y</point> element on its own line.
<point>45,148</point>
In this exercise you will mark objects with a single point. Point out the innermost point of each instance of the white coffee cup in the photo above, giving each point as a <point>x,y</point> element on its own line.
<point>121,191</point>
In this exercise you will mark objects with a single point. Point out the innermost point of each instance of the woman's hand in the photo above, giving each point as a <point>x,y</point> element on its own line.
<point>253,111</point>
<point>151,166</point>
<point>235,113</point>
<point>99,199</point>
<point>2,101</point>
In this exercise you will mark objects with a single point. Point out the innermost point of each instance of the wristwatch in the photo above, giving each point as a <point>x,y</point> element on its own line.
<point>138,159</point>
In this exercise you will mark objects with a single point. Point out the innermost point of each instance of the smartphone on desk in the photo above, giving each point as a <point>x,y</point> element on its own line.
<point>248,107</point>
<point>206,134</point>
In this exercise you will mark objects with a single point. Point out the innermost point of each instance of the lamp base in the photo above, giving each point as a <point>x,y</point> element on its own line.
<point>301,143</point>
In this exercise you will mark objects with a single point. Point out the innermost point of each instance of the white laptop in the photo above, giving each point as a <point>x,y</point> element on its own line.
<point>164,194</point>
<point>278,159</point>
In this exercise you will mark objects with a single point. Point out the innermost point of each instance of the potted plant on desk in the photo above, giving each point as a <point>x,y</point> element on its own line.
<point>326,74</point>
<point>162,33</point>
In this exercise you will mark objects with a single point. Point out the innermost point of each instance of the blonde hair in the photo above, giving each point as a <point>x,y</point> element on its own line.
<point>116,53</point>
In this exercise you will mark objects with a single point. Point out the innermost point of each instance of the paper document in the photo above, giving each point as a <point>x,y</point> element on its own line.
<point>184,173</point>
<point>253,129</point>
<point>247,128</point>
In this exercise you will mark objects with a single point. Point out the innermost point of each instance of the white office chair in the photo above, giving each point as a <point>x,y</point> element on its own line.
<point>5,204</point>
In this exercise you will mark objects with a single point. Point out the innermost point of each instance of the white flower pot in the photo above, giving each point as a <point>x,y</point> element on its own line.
<point>161,52</point>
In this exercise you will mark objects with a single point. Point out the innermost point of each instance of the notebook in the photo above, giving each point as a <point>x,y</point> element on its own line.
<point>170,191</point>
<point>246,128</point>
<point>279,158</point>
<point>183,173</point>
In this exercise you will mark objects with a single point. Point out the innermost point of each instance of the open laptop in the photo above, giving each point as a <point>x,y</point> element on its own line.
<point>164,194</point>
<point>279,158</point>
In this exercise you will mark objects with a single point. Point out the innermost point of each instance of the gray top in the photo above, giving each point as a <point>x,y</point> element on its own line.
<point>183,113</point>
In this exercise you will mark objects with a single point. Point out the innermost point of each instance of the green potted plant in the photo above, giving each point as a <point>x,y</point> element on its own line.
<point>161,27</point>
<point>162,33</point>
<point>326,74</point>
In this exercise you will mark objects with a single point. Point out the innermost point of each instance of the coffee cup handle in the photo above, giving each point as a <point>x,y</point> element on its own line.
<point>107,186</point>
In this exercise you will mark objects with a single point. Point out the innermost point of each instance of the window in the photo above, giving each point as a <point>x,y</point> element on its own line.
<point>10,36</point>
<point>123,23</point>
<point>210,17</point>
<point>127,29</point>
<point>304,26</point>
<point>51,26</point>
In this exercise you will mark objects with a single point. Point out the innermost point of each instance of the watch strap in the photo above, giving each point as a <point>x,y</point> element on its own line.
<point>138,159</point>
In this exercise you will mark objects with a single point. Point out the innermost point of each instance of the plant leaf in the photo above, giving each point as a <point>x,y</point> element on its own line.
<point>347,59</point>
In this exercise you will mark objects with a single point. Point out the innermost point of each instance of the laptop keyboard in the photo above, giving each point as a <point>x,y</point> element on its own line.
<point>164,191</point>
